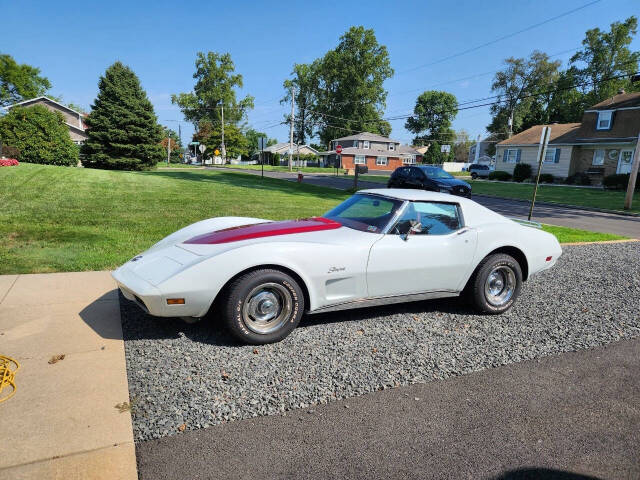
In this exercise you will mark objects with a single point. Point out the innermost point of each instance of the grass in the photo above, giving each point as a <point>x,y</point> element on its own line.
<point>571,235</point>
<point>162,165</point>
<point>282,168</point>
<point>73,219</point>
<point>581,197</point>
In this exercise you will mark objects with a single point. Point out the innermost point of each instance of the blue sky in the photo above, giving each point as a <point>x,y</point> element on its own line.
<point>74,42</point>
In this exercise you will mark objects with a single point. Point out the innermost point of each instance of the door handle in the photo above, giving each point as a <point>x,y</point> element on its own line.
<point>464,230</point>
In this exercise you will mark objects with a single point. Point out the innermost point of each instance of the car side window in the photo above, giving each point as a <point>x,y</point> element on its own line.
<point>416,174</point>
<point>434,218</point>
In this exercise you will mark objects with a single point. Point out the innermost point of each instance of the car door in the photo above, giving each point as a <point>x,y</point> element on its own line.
<point>415,178</point>
<point>436,259</point>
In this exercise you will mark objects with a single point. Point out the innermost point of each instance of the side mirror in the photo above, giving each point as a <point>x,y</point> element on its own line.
<point>416,227</point>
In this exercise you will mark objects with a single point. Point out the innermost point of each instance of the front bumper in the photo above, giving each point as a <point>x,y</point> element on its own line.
<point>150,298</point>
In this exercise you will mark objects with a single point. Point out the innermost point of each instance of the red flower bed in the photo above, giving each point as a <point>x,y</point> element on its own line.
<point>8,162</point>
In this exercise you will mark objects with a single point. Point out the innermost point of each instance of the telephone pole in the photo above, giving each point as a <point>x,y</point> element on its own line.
<point>168,147</point>
<point>224,150</point>
<point>293,103</point>
<point>633,175</point>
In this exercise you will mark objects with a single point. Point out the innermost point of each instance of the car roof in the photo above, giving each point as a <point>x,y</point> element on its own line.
<point>475,214</point>
<point>413,194</point>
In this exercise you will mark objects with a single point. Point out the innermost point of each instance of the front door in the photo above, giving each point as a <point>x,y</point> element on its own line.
<point>624,161</point>
<point>435,259</point>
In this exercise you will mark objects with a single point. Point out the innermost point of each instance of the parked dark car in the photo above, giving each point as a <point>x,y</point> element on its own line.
<point>430,178</point>
<point>481,171</point>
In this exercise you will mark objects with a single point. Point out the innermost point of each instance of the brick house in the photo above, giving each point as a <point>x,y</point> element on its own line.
<point>374,151</point>
<point>602,144</point>
<point>73,119</point>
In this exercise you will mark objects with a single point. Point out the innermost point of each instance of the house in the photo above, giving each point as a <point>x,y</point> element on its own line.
<point>603,143</point>
<point>283,149</point>
<point>370,149</point>
<point>478,152</point>
<point>73,119</point>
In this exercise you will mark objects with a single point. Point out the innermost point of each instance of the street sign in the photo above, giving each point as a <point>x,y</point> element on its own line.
<point>217,152</point>
<point>262,143</point>
<point>202,148</point>
<point>445,148</point>
<point>338,149</point>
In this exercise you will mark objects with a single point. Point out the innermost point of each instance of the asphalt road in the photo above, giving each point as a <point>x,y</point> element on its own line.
<point>571,416</point>
<point>546,213</point>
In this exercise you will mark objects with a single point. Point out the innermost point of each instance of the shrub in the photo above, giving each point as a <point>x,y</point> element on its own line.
<point>40,136</point>
<point>521,172</point>
<point>8,162</point>
<point>579,178</point>
<point>619,181</point>
<point>546,178</point>
<point>500,175</point>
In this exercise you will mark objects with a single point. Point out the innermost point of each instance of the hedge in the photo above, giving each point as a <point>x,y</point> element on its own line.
<point>500,175</point>
<point>521,172</point>
<point>619,181</point>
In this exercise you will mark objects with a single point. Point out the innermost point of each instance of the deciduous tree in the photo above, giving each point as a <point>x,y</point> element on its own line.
<point>351,95</point>
<point>20,81</point>
<point>605,55</point>
<point>305,83</point>
<point>123,130</point>
<point>216,84</point>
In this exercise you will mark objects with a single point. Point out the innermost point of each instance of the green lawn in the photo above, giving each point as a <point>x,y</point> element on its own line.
<point>161,165</point>
<point>583,197</point>
<point>274,168</point>
<point>72,219</point>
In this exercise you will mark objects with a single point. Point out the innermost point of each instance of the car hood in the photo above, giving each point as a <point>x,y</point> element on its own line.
<point>451,182</point>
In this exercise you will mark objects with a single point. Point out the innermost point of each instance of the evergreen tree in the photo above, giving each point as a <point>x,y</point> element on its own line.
<point>123,130</point>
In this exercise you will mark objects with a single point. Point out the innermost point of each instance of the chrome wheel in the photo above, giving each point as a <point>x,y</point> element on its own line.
<point>267,308</point>
<point>500,285</point>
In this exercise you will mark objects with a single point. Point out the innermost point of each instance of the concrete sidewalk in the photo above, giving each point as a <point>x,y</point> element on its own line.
<point>62,422</point>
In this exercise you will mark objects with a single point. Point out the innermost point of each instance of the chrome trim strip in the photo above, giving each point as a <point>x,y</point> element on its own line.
<point>388,300</point>
<point>526,223</point>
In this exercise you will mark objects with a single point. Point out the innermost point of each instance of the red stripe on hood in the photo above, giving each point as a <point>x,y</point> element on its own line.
<point>269,229</point>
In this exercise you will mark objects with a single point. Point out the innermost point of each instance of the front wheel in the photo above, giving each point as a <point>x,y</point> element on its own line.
<point>262,306</point>
<point>496,284</point>
<point>474,175</point>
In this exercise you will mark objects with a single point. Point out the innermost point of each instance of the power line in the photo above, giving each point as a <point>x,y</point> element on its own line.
<point>504,37</point>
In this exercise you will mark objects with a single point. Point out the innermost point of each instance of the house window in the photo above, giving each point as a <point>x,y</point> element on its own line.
<point>410,160</point>
<point>355,143</point>
<point>365,144</point>
<point>598,157</point>
<point>552,155</point>
<point>604,120</point>
<point>511,155</point>
<point>392,146</point>
<point>359,160</point>
<point>382,161</point>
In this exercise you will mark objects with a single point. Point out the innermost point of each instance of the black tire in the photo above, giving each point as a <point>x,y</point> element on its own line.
<point>474,175</point>
<point>241,314</point>
<point>479,289</point>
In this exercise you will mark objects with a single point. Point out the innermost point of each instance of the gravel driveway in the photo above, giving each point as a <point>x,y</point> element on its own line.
<point>194,376</point>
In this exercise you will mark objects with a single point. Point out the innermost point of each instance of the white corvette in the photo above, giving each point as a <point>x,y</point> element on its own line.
<point>379,246</point>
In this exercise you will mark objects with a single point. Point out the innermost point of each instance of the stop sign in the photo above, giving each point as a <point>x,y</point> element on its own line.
<point>338,149</point>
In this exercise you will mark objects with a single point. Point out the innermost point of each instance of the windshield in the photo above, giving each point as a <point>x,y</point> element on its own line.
<point>367,213</point>
<point>435,172</point>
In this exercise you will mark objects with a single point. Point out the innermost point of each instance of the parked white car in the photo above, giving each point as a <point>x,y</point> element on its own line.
<point>379,246</point>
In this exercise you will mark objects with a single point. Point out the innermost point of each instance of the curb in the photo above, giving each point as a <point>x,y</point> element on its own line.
<point>626,240</point>
<point>564,205</point>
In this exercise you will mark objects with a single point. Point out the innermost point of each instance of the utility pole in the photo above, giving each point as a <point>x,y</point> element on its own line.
<point>293,103</point>
<point>224,150</point>
<point>628,199</point>
<point>542,151</point>
<point>168,147</point>
<point>511,123</point>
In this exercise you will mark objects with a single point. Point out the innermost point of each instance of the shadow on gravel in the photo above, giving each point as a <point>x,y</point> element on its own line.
<point>138,325</point>
<point>542,474</point>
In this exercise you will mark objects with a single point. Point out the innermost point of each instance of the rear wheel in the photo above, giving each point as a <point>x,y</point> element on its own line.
<point>262,306</point>
<point>474,175</point>
<point>496,284</point>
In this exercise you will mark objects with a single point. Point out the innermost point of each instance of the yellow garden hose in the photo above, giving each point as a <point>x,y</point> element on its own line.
<point>7,376</point>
